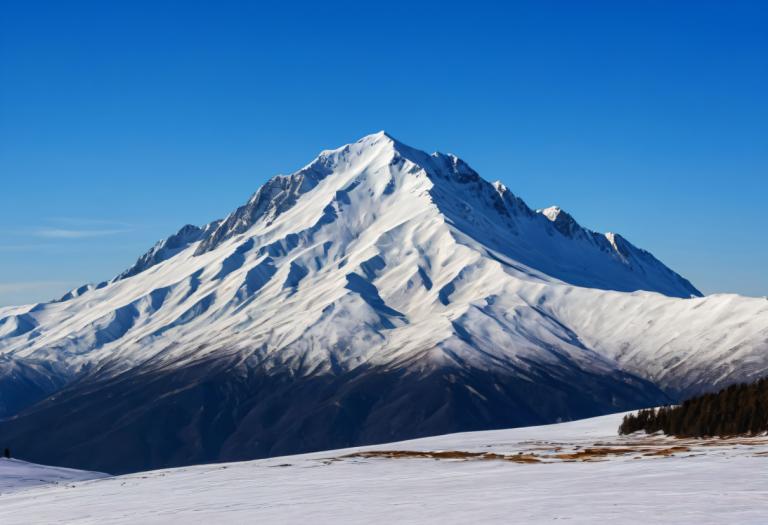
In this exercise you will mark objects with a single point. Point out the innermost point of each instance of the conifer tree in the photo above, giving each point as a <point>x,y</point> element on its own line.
<point>738,409</point>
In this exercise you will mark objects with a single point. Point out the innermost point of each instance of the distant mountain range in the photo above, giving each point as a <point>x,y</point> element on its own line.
<point>379,293</point>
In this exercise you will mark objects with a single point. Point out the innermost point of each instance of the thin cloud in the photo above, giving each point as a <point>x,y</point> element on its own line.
<point>64,228</point>
<point>72,233</point>
<point>77,222</point>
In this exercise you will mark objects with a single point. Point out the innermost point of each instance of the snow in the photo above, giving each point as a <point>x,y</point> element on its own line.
<point>17,475</point>
<point>431,246</point>
<point>714,481</point>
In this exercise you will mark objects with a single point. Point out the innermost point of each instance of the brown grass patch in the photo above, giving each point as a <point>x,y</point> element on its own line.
<point>667,451</point>
<point>731,441</point>
<point>445,454</point>
<point>589,454</point>
<point>577,453</point>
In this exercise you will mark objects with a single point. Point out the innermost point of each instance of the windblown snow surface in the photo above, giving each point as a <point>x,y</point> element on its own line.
<point>578,472</point>
<point>377,294</point>
<point>17,475</point>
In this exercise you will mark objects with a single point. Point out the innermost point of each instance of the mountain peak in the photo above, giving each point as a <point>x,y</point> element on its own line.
<point>380,139</point>
<point>351,187</point>
<point>379,135</point>
<point>562,220</point>
<point>551,213</point>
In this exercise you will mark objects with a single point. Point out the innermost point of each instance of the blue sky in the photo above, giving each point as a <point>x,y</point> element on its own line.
<point>122,121</point>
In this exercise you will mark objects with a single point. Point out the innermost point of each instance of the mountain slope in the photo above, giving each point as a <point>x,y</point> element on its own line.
<point>379,293</point>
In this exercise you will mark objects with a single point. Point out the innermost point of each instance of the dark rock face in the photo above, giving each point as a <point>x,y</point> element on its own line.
<point>165,249</point>
<point>275,197</point>
<point>23,384</point>
<point>219,411</point>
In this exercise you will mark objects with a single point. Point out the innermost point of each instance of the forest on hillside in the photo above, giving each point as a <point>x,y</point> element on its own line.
<point>737,409</point>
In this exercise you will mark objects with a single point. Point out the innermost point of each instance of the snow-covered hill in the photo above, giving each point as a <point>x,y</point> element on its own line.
<point>17,475</point>
<point>379,293</point>
<point>579,471</point>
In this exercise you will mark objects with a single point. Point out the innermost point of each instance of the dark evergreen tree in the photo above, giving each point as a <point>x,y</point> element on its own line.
<point>738,409</point>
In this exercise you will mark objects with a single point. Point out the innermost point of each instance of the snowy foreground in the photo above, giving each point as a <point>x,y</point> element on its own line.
<point>17,475</point>
<point>579,471</point>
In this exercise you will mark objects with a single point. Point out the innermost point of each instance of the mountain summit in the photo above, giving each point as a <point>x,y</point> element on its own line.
<point>379,293</point>
<point>378,166</point>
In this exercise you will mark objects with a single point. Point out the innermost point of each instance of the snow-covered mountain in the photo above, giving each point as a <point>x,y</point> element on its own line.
<point>379,293</point>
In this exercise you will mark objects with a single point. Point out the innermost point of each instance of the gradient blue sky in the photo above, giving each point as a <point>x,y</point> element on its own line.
<point>122,121</point>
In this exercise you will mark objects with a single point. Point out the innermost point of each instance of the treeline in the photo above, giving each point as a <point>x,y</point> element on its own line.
<point>738,409</point>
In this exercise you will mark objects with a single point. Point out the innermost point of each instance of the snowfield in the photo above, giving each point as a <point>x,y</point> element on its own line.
<point>580,472</point>
<point>17,475</point>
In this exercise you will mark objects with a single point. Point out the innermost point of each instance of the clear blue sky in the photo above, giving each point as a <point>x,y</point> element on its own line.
<point>122,121</point>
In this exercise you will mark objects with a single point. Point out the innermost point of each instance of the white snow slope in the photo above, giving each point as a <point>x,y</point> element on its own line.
<point>641,479</point>
<point>379,254</point>
<point>17,475</point>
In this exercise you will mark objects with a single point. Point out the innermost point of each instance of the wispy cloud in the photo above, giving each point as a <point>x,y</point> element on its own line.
<point>78,222</point>
<point>72,233</point>
<point>63,228</point>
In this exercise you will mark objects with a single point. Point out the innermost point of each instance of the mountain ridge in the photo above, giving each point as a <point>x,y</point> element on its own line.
<point>378,293</point>
<point>262,203</point>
